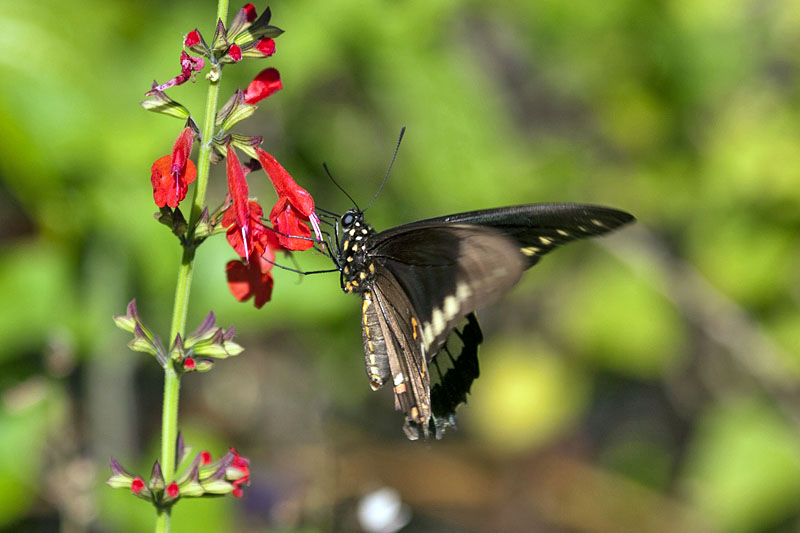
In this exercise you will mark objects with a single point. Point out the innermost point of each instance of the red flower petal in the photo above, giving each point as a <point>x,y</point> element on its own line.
<point>162,181</point>
<point>267,82</point>
<point>285,185</point>
<point>257,231</point>
<point>205,458</point>
<point>237,187</point>
<point>189,364</point>
<point>166,189</point>
<point>284,218</point>
<point>246,280</point>
<point>180,152</point>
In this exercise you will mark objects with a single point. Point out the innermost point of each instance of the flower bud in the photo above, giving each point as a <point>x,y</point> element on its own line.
<point>234,111</point>
<point>196,44</point>
<point>159,102</point>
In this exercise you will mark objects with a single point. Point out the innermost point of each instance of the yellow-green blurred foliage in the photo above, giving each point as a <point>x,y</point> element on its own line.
<point>645,382</point>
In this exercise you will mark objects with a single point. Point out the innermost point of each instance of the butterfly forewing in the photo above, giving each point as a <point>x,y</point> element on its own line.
<point>536,228</point>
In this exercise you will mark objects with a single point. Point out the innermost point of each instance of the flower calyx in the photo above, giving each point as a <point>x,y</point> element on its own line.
<point>143,339</point>
<point>197,352</point>
<point>200,477</point>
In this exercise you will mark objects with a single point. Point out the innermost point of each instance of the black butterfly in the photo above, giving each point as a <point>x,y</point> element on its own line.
<point>420,284</point>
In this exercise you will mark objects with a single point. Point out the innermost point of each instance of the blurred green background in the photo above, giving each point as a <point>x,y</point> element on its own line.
<point>649,381</point>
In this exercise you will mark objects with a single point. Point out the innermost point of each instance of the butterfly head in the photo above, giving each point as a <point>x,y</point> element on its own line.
<point>352,219</point>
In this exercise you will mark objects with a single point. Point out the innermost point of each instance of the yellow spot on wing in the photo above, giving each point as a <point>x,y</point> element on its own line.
<point>450,308</point>
<point>438,321</point>
<point>529,250</point>
<point>463,292</point>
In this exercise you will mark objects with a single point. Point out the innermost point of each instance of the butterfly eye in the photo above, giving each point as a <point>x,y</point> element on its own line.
<point>347,219</point>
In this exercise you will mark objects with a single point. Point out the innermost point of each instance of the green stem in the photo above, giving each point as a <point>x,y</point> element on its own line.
<point>172,384</point>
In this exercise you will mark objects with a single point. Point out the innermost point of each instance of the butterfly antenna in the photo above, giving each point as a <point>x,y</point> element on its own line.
<point>391,163</point>
<point>328,172</point>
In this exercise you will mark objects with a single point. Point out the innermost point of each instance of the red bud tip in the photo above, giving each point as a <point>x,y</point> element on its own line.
<point>192,39</point>
<point>173,490</point>
<point>137,485</point>
<point>251,12</point>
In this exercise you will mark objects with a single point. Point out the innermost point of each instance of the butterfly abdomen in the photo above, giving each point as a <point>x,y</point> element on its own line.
<point>376,360</point>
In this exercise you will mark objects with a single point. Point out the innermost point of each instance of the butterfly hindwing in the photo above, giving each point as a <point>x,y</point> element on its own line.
<point>453,370</point>
<point>399,336</point>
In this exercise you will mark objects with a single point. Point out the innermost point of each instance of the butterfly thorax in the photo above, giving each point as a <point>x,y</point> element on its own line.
<point>356,265</point>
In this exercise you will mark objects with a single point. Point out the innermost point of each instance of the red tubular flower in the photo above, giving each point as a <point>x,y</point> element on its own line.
<point>267,82</point>
<point>294,206</point>
<point>171,175</point>
<point>189,364</point>
<point>237,187</point>
<point>205,458</point>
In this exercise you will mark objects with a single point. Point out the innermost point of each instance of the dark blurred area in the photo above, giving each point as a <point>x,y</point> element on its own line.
<point>648,381</point>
